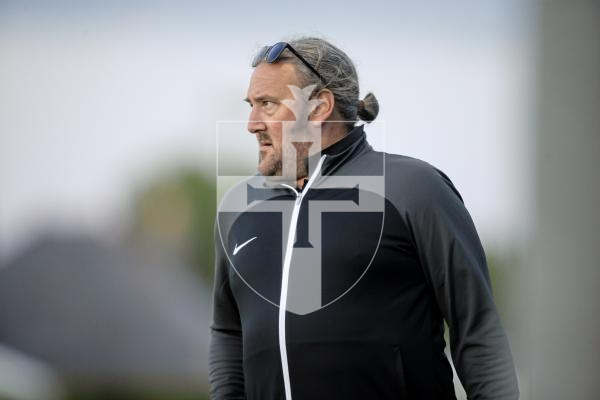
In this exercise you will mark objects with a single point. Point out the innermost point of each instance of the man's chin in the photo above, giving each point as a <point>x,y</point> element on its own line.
<point>268,170</point>
<point>275,175</point>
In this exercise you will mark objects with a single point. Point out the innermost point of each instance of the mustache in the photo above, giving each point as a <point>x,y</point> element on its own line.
<point>263,136</point>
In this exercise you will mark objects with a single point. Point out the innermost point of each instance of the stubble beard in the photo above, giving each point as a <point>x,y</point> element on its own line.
<point>271,163</point>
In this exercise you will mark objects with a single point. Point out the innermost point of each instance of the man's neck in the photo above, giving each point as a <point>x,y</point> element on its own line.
<point>331,133</point>
<point>300,182</point>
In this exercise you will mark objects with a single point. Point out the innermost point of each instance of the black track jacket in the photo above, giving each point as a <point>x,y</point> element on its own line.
<point>380,335</point>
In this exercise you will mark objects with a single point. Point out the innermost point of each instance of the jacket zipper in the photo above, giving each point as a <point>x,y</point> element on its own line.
<point>286,275</point>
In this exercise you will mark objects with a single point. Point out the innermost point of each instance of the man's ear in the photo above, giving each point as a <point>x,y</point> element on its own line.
<point>324,110</point>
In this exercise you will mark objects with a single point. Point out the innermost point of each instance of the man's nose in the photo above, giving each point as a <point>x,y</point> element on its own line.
<point>255,124</point>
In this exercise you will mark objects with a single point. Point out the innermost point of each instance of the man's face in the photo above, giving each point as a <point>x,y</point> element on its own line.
<point>268,86</point>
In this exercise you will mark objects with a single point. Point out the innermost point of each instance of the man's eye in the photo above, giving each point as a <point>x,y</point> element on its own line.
<point>268,104</point>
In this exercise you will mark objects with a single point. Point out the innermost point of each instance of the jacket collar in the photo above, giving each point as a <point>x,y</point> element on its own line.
<point>339,152</point>
<point>356,134</point>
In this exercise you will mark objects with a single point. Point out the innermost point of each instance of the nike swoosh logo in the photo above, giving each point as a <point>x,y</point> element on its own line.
<point>238,248</point>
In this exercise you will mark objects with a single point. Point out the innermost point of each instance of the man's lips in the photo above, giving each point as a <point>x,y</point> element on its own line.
<point>264,145</point>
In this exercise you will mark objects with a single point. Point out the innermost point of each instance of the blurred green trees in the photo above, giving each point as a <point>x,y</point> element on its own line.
<point>177,210</point>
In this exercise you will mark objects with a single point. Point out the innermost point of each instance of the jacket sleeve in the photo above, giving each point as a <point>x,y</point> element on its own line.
<point>454,262</point>
<point>225,368</point>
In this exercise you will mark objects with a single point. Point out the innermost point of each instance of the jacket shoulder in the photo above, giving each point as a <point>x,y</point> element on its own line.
<point>410,180</point>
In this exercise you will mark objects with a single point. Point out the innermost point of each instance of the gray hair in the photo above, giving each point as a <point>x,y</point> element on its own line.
<point>339,74</point>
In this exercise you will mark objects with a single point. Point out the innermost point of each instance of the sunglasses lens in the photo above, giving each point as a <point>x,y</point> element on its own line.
<point>270,54</point>
<point>260,55</point>
<point>275,52</point>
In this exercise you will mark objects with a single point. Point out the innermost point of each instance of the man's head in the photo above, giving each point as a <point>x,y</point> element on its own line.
<point>336,89</point>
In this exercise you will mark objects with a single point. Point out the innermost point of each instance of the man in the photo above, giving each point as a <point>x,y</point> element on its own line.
<point>314,301</point>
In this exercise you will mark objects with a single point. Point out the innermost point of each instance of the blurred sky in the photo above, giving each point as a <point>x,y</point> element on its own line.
<point>98,96</point>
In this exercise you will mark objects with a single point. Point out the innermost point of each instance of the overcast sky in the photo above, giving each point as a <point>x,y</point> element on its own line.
<point>96,97</point>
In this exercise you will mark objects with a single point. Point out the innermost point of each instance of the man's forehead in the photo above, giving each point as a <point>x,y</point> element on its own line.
<point>272,80</point>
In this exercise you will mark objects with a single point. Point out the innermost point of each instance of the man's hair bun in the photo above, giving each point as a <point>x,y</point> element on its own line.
<point>368,108</point>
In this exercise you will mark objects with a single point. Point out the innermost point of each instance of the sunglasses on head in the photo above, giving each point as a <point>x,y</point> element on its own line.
<point>270,54</point>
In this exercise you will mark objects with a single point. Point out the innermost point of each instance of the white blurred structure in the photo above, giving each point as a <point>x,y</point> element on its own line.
<point>25,378</point>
